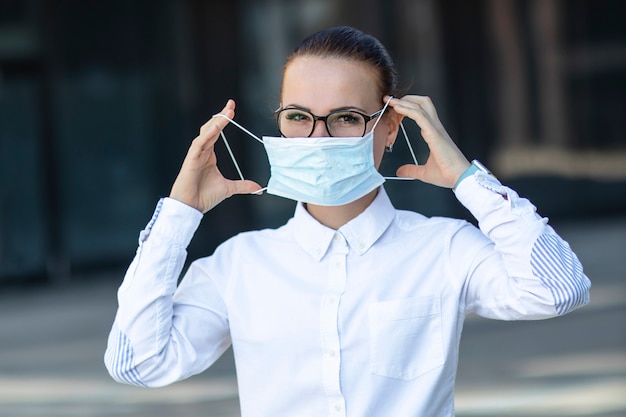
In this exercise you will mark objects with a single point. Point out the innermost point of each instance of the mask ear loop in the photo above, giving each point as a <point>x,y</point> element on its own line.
<point>380,116</point>
<point>255,137</point>
<point>406,137</point>
<point>230,152</point>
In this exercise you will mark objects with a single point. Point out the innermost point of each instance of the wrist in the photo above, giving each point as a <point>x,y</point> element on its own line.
<point>471,169</point>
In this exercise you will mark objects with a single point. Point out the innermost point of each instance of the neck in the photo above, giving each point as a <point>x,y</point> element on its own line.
<point>336,216</point>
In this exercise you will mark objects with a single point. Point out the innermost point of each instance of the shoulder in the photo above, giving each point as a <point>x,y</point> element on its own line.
<point>435,230</point>
<point>243,250</point>
<point>409,220</point>
<point>258,240</point>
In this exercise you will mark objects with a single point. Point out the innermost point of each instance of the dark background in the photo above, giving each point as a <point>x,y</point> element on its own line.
<point>99,101</point>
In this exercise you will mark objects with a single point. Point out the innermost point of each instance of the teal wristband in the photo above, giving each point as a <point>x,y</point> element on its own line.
<point>469,171</point>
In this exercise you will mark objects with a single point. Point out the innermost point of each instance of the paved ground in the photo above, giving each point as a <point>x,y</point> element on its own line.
<point>53,340</point>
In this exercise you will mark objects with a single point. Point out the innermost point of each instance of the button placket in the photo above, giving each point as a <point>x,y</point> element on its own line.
<point>337,408</point>
<point>331,347</point>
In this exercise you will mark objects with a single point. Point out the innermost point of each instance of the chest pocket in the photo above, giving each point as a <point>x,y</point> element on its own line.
<point>405,337</point>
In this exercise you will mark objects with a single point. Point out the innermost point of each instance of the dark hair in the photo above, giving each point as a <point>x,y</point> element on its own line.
<point>351,44</point>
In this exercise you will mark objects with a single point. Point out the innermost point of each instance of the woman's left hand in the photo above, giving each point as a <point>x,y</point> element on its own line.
<point>446,163</point>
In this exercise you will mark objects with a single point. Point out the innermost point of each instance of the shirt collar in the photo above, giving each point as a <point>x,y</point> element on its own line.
<point>360,233</point>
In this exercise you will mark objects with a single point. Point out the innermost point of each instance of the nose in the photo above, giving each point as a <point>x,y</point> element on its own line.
<point>319,129</point>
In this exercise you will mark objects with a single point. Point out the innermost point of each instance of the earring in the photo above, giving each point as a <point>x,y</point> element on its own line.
<point>389,148</point>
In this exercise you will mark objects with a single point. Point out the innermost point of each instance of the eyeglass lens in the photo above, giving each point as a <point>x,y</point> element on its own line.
<point>300,123</point>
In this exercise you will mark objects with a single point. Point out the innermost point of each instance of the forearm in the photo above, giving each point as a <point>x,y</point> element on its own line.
<point>144,318</point>
<point>542,271</point>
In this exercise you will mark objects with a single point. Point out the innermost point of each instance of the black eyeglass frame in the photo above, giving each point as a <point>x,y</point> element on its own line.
<point>365,117</point>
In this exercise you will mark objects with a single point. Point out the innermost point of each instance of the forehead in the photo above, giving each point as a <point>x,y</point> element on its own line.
<point>324,84</point>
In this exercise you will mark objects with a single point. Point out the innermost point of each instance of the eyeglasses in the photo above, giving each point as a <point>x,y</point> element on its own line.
<point>296,122</point>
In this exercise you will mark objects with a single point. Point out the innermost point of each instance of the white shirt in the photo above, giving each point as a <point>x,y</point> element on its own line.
<point>361,321</point>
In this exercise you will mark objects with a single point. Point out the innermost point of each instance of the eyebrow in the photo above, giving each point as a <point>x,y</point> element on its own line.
<point>331,110</point>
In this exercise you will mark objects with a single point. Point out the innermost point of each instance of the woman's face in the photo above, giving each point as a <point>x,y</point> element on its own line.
<point>322,85</point>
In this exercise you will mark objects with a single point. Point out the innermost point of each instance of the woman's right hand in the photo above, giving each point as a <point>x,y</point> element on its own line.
<point>200,184</point>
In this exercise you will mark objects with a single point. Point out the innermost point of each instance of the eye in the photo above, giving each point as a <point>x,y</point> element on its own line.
<point>296,116</point>
<point>347,118</point>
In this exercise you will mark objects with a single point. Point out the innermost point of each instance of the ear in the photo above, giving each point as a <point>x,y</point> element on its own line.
<point>393,125</point>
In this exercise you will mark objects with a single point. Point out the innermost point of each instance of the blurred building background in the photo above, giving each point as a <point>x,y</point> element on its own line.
<point>99,101</point>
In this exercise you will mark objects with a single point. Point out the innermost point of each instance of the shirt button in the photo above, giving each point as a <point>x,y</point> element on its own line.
<point>337,407</point>
<point>361,245</point>
<point>337,265</point>
<point>336,237</point>
<point>332,353</point>
<point>331,300</point>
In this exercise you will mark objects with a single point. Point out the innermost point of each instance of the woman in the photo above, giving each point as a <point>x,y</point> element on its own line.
<point>351,308</point>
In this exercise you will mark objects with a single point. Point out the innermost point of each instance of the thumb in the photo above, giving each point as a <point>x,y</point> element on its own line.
<point>412,171</point>
<point>244,187</point>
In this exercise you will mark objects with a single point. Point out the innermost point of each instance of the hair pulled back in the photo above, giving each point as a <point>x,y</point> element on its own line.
<point>345,42</point>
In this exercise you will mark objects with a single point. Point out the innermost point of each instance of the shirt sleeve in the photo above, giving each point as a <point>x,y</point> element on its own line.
<point>520,268</point>
<point>159,335</point>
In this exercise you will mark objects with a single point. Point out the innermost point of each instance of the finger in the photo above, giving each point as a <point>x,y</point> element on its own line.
<point>418,100</point>
<point>205,140</point>
<point>414,101</point>
<point>244,187</point>
<point>209,132</point>
<point>221,122</point>
<point>419,116</point>
<point>411,171</point>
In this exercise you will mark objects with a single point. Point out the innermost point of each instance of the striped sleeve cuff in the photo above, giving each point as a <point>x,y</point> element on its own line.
<point>560,271</point>
<point>173,219</point>
<point>119,359</point>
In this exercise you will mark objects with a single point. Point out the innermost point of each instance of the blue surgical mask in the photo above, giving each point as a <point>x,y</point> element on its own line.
<point>325,171</point>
